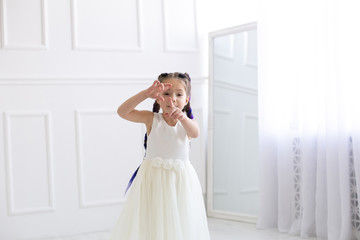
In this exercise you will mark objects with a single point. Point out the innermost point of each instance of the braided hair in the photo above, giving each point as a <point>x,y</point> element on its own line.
<point>187,80</point>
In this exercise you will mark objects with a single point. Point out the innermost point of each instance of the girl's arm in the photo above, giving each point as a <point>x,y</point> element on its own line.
<point>191,127</point>
<point>127,109</point>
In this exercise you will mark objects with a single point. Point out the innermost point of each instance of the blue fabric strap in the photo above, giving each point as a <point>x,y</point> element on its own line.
<point>131,180</point>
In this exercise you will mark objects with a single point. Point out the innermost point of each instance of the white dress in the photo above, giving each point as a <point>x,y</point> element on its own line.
<point>165,200</point>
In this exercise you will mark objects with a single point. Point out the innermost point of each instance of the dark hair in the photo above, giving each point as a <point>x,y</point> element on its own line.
<point>187,80</point>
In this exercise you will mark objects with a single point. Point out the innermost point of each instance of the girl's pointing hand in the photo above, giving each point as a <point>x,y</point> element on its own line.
<point>156,89</point>
<point>175,112</point>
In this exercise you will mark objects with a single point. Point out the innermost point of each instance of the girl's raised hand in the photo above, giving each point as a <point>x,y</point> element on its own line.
<point>156,89</point>
<point>175,112</point>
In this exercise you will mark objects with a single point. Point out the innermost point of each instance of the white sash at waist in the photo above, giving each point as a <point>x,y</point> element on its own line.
<point>167,163</point>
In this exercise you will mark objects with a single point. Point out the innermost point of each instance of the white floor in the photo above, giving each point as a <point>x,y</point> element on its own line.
<point>231,230</point>
<point>219,230</point>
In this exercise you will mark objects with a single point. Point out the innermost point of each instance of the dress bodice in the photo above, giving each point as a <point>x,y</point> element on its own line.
<point>167,141</point>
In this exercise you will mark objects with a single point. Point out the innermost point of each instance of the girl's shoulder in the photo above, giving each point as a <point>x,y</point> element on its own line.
<point>149,116</point>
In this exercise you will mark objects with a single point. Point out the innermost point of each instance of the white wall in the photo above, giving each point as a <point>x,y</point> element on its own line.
<point>65,66</point>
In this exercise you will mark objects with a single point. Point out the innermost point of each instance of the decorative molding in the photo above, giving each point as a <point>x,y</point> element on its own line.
<point>226,113</point>
<point>223,55</point>
<point>244,116</point>
<point>2,22</point>
<point>233,30</point>
<point>222,111</point>
<point>76,46</point>
<point>105,80</point>
<point>80,160</point>
<point>246,52</point>
<point>83,203</point>
<point>235,87</point>
<point>220,192</point>
<point>44,37</point>
<point>249,115</point>
<point>165,31</point>
<point>248,190</point>
<point>9,168</point>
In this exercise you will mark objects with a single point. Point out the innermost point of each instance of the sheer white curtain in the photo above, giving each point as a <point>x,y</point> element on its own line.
<point>309,117</point>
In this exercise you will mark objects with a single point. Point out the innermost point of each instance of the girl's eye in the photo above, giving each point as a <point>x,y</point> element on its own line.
<point>179,95</point>
<point>166,93</point>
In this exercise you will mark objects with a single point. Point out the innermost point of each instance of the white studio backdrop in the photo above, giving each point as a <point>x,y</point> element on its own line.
<point>309,119</point>
<point>65,66</point>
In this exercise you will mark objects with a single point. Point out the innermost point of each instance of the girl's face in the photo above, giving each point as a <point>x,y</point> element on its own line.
<point>177,93</point>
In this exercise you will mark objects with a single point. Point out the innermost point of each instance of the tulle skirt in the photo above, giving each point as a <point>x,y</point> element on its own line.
<point>165,202</point>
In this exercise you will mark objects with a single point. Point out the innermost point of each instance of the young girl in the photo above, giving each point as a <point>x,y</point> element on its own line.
<point>165,200</point>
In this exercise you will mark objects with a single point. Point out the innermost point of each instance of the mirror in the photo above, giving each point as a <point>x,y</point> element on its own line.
<point>233,150</point>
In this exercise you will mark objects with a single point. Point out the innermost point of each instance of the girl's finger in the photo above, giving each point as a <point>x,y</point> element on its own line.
<point>161,98</point>
<point>167,86</point>
<point>176,114</point>
<point>156,82</point>
<point>171,103</point>
<point>171,113</point>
